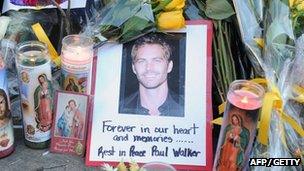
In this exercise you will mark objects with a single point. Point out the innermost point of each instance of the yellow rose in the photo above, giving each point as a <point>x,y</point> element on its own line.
<point>175,5</point>
<point>291,2</point>
<point>171,20</point>
<point>295,2</point>
<point>300,6</point>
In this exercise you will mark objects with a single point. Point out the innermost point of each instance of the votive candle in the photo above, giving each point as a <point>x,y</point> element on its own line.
<point>34,73</point>
<point>76,63</point>
<point>244,101</point>
<point>6,123</point>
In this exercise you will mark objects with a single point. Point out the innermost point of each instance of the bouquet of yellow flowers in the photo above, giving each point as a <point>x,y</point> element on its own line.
<point>276,40</point>
<point>124,21</point>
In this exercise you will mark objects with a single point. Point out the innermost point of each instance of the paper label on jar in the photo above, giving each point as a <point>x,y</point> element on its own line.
<point>76,78</point>
<point>36,101</point>
<point>6,134</point>
<point>6,124</point>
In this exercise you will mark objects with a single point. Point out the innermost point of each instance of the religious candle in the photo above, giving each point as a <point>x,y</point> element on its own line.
<point>6,123</point>
<point>159,166</point>
<point>76,63</point>
<point>36,91</point>
<point>244,101</point>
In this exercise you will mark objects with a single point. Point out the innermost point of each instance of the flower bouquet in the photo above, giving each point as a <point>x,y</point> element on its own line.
<point>124,21</point>
<point>281,133</point>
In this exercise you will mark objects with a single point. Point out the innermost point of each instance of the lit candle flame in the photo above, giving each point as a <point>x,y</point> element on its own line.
<point>33,61</point>
<point>245,100</point>
<point>78,51</point>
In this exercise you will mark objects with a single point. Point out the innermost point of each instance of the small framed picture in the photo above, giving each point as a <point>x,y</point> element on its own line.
<point>70,122</point>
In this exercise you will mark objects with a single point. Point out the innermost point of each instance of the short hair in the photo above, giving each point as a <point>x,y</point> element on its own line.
<point>151,39</point>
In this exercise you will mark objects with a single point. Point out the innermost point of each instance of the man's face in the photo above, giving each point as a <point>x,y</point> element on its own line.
<point>150,66</point>
<point>2,105</point>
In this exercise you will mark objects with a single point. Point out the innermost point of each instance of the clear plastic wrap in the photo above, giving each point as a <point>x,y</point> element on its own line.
<point>121,21</point>
<point>20,29</point>
<point>4,21</point>
<point>281,58</point>
<point>281,61</point>
<point>250,17</point>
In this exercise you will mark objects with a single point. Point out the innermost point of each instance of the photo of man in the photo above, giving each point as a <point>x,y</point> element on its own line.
<point>152,65</point>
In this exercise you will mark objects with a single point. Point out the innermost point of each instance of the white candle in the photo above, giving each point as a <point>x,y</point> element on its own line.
<point>34,72</point>
<point>76,58</point>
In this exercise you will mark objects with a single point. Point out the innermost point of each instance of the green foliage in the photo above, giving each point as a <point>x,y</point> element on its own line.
<point>134,27</point>
<point>218,9</point>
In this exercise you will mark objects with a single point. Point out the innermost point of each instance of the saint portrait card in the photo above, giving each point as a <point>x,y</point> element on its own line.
<point>152,100</point>
<point>70,123</point>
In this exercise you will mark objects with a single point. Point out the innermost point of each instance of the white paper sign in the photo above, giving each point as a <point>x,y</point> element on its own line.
<point>39,4</point>
<point>178,137</point>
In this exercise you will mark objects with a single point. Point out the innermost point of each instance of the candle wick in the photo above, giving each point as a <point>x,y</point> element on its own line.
<point>245,100</point>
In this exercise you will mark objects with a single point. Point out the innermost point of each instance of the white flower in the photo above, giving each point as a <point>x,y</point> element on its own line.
<point>107,167</point>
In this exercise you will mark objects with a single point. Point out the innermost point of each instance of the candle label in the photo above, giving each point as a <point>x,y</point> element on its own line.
<point>36,101</point>
<point>76,78</point>
<point>237,133</point>
<point>6,124</point>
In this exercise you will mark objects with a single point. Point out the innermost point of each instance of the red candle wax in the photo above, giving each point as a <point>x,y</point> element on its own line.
<point>244,99</point>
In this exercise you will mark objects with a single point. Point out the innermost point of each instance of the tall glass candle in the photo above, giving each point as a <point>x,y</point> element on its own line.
<point>76,63</point>
<point>34,72</point>
<point>6,123</point>
<point>244,101</point>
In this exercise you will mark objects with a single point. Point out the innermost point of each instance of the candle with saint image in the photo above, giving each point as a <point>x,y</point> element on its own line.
<point>238,130</point>
<point>76,61</point>
<point>6,123</point>
<point>36,91</point>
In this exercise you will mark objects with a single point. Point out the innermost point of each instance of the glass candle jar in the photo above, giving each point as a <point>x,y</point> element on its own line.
<point>36,91</point>
<point>238,130</point>
<point>157,166</point>
<point>76,63</point>
<point>6,123</point>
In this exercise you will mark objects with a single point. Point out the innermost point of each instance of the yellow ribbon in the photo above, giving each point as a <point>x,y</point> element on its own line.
<point>41,35</point>
<point>272,101</point>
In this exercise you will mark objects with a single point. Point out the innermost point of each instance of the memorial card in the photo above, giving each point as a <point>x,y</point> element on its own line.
<point>152,100</point>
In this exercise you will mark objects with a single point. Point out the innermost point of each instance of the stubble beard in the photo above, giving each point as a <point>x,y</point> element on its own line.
<point>152,87</point>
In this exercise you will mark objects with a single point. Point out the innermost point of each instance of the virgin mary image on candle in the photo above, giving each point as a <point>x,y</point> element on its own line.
<point>43,103</point>
<point>72,86</point>
<point>234,145</point>
<point>4,119</point>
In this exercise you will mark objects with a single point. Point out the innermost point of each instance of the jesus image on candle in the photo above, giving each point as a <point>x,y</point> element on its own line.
<point>234,145</point>
<point>43,107</point>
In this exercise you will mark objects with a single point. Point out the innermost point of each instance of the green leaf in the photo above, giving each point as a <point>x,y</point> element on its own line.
<point>161,5</point>
<point>134,23</point>
<point>218,9</point>
<point>134,27</point>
